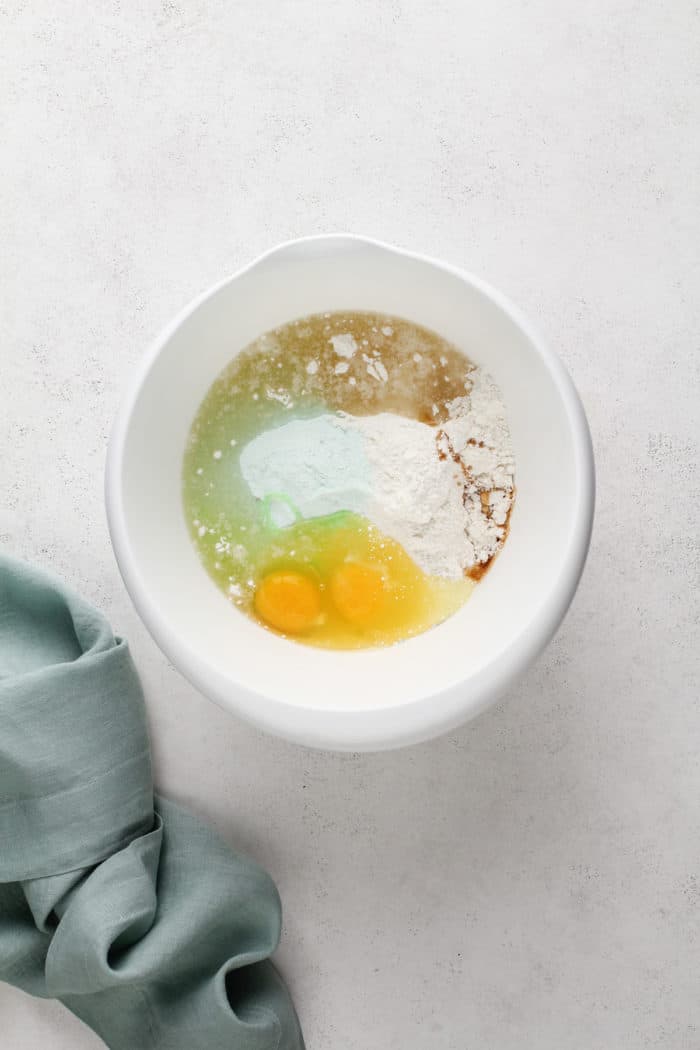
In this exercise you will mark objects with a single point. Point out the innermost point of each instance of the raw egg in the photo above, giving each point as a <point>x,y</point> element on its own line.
<point>289,601</point>
<point>358,591</point>
<point>339,583</point>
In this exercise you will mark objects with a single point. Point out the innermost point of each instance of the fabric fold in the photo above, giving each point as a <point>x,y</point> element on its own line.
<point>75,767</point>
<point>124,906</point>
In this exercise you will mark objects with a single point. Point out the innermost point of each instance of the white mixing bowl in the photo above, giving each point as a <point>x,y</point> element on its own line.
<point>377,698</point>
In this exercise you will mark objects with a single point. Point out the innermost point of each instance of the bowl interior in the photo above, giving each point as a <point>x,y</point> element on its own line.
<point>517,603</point>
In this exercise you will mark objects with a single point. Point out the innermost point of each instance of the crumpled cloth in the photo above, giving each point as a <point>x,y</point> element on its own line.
<point>125,907</point>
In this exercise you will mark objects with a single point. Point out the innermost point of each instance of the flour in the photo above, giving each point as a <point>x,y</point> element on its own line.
<point>443,492</point>
<point>476,438</point>
<point>344,345</point>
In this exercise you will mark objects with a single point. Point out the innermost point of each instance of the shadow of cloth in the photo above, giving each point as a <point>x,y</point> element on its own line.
<point>123,906</point>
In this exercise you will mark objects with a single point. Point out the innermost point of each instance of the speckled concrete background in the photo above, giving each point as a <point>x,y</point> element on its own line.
<point>533,879</point>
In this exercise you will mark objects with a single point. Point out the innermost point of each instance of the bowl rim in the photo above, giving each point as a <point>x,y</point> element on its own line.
<point>376,728</point>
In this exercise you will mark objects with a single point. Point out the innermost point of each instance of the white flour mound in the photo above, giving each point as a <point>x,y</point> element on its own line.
<point>419,484</point>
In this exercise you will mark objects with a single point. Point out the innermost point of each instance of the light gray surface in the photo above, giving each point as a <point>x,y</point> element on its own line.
<point>533,879</point>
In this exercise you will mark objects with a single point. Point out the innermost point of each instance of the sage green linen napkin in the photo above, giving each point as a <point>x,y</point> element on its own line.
<point>118,903</point>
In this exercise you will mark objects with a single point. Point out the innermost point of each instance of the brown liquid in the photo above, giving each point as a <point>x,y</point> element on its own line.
<point>398,366</point>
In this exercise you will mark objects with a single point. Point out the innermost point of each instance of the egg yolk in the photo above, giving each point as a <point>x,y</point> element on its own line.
<point>288,601</point>
<point>358,592</point>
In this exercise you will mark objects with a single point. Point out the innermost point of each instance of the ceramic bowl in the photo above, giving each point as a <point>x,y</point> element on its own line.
<point>377,698</point>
